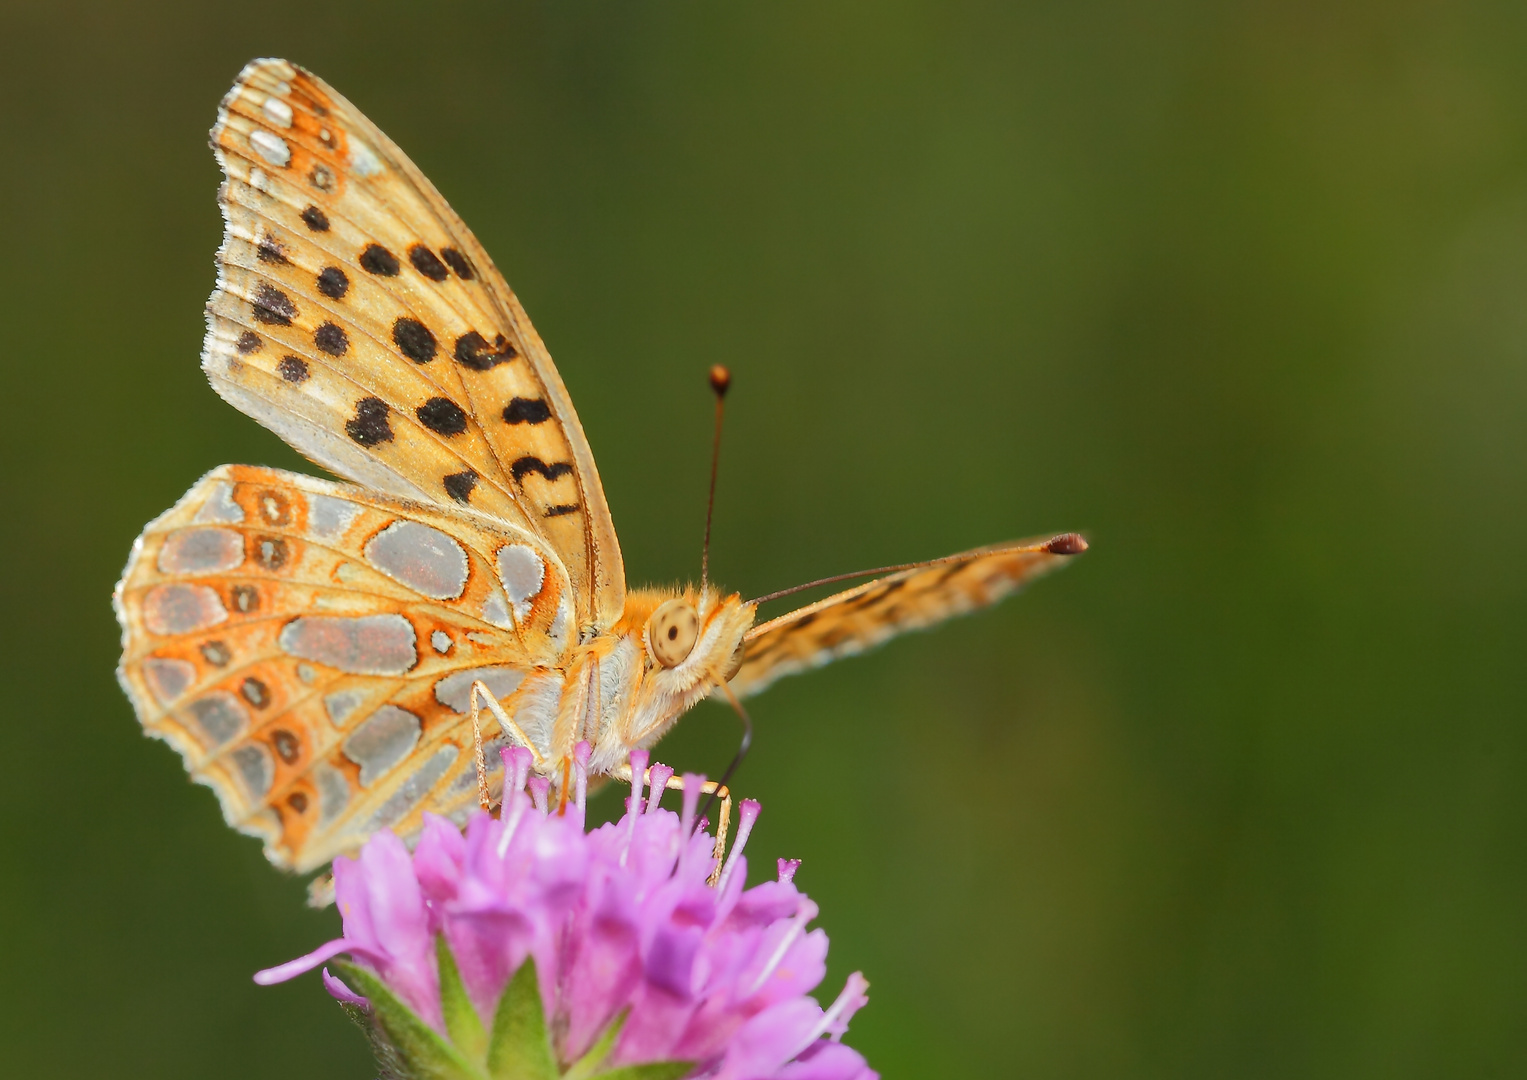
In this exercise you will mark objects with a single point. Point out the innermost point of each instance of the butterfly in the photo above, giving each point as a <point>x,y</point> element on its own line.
<point>311,648</point>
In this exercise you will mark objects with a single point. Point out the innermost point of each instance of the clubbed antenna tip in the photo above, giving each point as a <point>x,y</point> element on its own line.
<point>720,380</point>
<point>1066,544</point>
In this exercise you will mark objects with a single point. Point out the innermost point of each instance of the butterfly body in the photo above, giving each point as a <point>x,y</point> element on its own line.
<point>311,648</point>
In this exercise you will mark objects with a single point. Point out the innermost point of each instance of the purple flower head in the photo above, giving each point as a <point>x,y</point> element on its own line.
<point>640,943</point>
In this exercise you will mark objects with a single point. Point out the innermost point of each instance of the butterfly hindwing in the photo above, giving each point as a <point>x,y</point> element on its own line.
<point>309,649</point>
<point>865,616</point>
<point>358,318</point>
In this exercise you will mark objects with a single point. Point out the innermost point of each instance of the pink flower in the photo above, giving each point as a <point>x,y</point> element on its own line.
<point>625,933</point>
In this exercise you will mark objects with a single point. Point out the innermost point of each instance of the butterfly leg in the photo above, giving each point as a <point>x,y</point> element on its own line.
<point>710,787</point>
<point>505,723</point>
<point>721,829</point>
<point>484,799</point>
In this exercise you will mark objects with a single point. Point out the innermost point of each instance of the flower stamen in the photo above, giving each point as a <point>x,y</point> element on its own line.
<point>835,1020</point>
<point>803,915</point>
<point>539,786</point>
<point>693,784</point>
<point>517,761</point>
<point>746,815</point>
<point>658,776</point>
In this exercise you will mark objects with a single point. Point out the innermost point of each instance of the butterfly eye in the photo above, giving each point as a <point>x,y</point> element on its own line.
<point>671,632</point>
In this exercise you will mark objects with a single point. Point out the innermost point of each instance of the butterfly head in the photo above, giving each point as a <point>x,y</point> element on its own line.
<point>691,642</point>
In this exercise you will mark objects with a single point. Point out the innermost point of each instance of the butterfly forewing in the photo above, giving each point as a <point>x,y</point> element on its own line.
<point>865,616</point>
<point>309,648</point>
<point>358,318</point>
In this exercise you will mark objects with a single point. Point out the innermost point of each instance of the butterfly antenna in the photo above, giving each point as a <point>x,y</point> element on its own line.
<point>742,751</point>
<point>720,382</point>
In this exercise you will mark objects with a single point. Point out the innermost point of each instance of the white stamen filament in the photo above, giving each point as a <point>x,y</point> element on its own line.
<point>848,1001</point>
<point>693,782</point>
<point>516,768</point>
<point>747,815</point>
<point>658,778</point>
<point>804,915</point>
<point>634,807</point>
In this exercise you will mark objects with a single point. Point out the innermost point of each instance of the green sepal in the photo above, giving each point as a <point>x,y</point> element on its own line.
<point>461,1019</point>
<point>653,1070</point>
<point>521,1048</point>
<point>585,1067</point>
<point>389,1065</point>
<point>420,1049</point>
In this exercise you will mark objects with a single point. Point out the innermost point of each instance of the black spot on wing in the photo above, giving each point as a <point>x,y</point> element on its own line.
<point>459,485</point>
<point>442,416</point>
<point>414,340</point>
<point>333,282</point>
<point>875,595</point>
<point>526,411</point>
<point>274,508</point>
<point>249,342</point>
<point>271,552</point>
<point>255,692</point>
<point>316,219</point>
<point>245,599</point>
<point>289,749</point>
<point>270,251</point>
<point>458,262</point>
<point>427,263</point>
<point>473,351</point>
<point>378,260</point>
<point>216,653</point>
<point>561,509</point>
<point>532,464</point>
<point>294,369</point>
<point>332,339</point>
<point>952,570</point>
<point>836,636</point>
<point>273,307</point>
<point>370,426</point>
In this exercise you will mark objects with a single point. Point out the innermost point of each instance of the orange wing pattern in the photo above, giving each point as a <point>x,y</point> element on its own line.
<point>357,317</point>
<point>865,616</point>
<point>309,649</point>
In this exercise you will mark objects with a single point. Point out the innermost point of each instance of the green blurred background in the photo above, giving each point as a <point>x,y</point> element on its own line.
<point>1239,289</point>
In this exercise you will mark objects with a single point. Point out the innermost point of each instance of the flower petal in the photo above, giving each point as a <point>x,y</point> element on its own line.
<point>340,992</point>
<point>827,1061</point>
